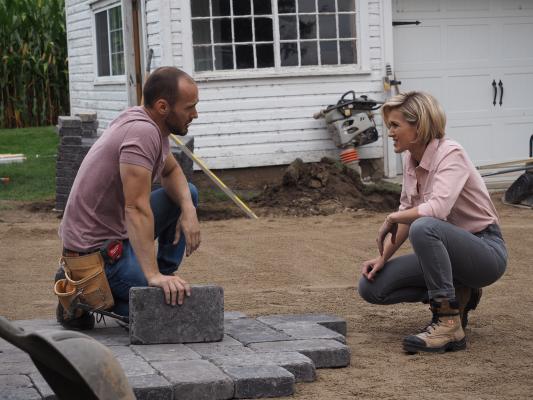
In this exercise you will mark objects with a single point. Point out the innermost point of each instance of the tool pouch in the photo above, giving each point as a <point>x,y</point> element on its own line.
<point>85,281</point>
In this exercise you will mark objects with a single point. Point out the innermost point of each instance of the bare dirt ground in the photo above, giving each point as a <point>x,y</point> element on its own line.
<point>300,265</point>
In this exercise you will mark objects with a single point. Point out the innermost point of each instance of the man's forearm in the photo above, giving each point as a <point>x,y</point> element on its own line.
<point>176,186</point>
<point>140,226</point>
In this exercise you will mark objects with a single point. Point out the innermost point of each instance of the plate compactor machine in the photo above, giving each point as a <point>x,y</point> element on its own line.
<point>351,124</point>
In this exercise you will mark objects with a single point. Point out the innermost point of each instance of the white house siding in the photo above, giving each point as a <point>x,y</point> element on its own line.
<point>86,96</point>
<point>268,120</point>
<point>243,122</point>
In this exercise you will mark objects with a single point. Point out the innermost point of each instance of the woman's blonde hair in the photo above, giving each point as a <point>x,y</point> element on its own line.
<point>421,110</point>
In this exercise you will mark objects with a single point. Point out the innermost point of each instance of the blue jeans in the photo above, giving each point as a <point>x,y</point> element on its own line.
<point>127,272</point>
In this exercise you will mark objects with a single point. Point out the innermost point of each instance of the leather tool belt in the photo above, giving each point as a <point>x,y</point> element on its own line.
<point>85,282</point>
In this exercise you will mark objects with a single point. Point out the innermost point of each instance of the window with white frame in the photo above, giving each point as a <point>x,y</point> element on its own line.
<point>254,34</point>
<point>109,42</point>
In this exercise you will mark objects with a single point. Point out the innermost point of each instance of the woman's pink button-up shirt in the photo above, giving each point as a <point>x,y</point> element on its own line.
<point>447,186</point>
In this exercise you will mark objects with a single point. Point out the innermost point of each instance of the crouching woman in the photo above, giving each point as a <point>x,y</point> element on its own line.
<point>447,214</point>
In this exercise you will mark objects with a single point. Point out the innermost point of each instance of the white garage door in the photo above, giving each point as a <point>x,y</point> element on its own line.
<point>466,52</point>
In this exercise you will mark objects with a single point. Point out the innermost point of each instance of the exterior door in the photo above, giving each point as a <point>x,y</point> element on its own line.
<point>466,53</point>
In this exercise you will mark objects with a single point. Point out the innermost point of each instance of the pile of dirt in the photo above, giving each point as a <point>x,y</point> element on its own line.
<point>323,188</point>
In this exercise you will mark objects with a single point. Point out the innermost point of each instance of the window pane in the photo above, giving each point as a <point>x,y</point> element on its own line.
<point>348,52</point>
<point>115,18</point>
<point>263,30</point>
<point>305,6</point>
<point>346,5</point>
<point>203,59</point>
<point>287,27</point>
<point>347,26</point>
<point>242,7</point>
<point>289,54</point>
<point>286,6</point>
<point>307,26</point>
<point>327,26</point>
<point>201,31</point>
<point>102,45</point>
<point>262,7</point>
<point>116,42</point>
<point>200,8</point>
<point>308,52</point>
<point>245,56</point>
<point>222,30</point>
<point>117,62</point>
<point>223,57</point>
<point>243,29</point>
<point>328,52</point>
<point>326,5</point>
<point>265,55</point>
<point>221,8</point>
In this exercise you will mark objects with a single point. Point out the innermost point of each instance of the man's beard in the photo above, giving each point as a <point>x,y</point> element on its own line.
<point>175,129</point>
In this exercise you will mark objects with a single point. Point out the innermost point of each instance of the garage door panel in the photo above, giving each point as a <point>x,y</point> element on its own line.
<point>476,138</point>
<point>432,84</point>
<point>517,45</point>
<point>425,51</point>
<point>518,92</point>
<point>513,138</point>
<point>468,5</point>
<point>469,94</point>
<point>415,6</point>
<point>468,43</point>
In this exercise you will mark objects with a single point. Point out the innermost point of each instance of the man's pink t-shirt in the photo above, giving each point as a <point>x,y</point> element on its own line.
<point>95,208</point>
<point>447,186</point>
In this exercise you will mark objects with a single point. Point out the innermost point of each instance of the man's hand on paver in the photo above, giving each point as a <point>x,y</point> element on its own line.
<point>175,288</point>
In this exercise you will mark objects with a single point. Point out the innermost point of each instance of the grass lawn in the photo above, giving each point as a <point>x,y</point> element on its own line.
<point>33,179</point>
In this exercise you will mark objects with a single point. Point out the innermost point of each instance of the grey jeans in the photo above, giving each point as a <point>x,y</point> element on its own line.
<point>445,256</point>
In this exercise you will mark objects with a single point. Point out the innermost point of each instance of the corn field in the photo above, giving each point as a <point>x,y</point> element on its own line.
<point>33,63</point>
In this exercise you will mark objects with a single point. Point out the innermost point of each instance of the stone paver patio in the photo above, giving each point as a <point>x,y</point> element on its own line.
<point>258,357</point>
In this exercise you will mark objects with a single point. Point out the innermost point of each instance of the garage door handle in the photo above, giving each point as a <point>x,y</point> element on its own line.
<point>500,84</point>
<point>495,87</point>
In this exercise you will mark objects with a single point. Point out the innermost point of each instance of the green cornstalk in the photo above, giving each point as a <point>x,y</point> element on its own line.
<point>33,63</point>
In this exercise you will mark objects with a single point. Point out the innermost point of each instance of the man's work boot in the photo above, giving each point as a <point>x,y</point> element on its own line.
<point>84,322</point>
<point>468,299</point>
<point>445,335</point>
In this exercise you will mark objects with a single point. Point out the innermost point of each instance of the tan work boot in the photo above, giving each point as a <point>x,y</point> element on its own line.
<point>468,299</point>
<point>444,335</point>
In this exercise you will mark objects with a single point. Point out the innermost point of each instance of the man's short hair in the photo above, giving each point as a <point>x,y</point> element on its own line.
<point>163,83</point>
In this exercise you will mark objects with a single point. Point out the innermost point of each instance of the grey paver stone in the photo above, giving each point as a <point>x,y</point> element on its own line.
<point>116,336</point>
<point>196,380</point>
<point>332,322</point>
<point>228,315</point>
<point>42,387</point>
<point>297,364</point>
<point>310,330</point>
<point>17,387</point>
<point>324,353</point>
<point>135,366</point>
<point>87,117</point>
<point>256,381</point>
<point>151,387</point>
<point>14,356</point>
<point>68,122</point>
<point>249,330</point>
<point>165,352</point>
<point>199,319</point>
<point>227,347</point>
<point>24,367</point>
